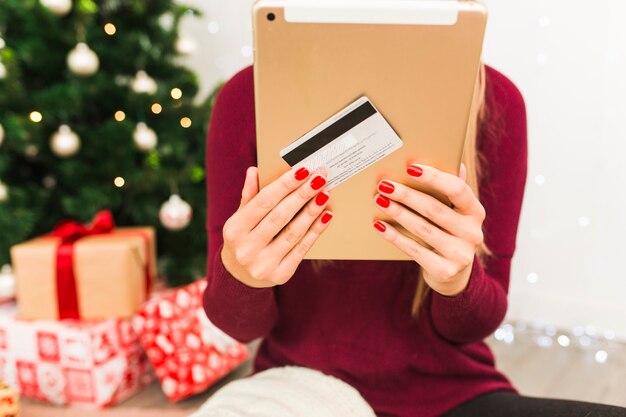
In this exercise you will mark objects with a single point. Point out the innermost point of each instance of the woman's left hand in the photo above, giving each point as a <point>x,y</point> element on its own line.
<point>454,233</point>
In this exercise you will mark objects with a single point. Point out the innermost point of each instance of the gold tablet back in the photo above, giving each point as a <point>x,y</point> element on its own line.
<point>420,77</point>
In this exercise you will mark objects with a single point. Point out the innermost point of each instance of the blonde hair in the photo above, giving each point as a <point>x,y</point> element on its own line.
<point>471,159</point>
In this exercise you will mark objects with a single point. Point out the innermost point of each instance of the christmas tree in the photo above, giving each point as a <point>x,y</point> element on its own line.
<point>97,112</point>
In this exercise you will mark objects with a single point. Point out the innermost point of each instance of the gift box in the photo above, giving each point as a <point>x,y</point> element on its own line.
<point>9,401</point>
<point>89,272</point>
<point>187,351</point>
<point>92,364</point>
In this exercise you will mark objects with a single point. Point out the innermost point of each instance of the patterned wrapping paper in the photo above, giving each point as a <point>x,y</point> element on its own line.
<point>92,364</point>
<point>188,352</point>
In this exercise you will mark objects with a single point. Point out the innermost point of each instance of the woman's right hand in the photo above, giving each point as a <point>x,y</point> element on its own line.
<point>263,242</point>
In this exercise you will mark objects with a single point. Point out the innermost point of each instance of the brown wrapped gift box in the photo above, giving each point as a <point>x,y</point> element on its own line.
<point>110,272</point>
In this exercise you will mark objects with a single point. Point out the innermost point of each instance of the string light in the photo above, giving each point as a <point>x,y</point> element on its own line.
<point>499,334</point>
<point>563,340</point>
<point>213,27</point>
<point>119,182</point>
<point>532,278</point>
<point>540,179</point>
<point>156,108</point>
<point>544,341</point>
<point>601,356</point>
<point>584,221</point>
<point>587,339</point>
<point>185,122</point>
<point>542,59</point>
<point>120,116</point>
<point>176,93</point>
<point>110,29</point>
<point>590,330</point>
<point>36,117</point>
<point>246,51</point>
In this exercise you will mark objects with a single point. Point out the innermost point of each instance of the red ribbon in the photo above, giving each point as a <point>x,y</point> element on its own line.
<point>69,232</point>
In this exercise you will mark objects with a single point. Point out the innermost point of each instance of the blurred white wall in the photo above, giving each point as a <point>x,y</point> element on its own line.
<point>569,59</point>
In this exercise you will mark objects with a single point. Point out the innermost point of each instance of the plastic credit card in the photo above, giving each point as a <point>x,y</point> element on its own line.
<point>351,140</point>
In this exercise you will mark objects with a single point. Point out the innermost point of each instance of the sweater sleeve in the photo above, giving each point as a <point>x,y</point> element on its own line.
<point>243,312</point>
<point>480,308</point>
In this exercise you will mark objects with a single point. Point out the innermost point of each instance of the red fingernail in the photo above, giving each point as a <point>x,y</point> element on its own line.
<point>318,182</point>
<point>386,187</point>
<point>302,173</point>
<point>321,199</point>
<point>378,225</point>
<point>326,217</point>
<point>383,201</point>
<point>414,171</point>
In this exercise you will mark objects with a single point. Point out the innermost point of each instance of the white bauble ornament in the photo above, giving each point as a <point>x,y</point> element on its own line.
<point>167,21</point>
<point>186,45</point>
<point>4,192</point>
<point>1,135</point>
<point>3,71</point>
<point>49,182</point>
<point>7,282</point>
<point>65,142</point>
<point>82,60</point>
<point>175,213</point>
<point>143,83</point>
<point>31,151</point>
<point>144,137</point>
<point>58,7</point>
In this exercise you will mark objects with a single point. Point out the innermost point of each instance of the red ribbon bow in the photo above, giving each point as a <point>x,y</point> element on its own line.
<point>70,231</point>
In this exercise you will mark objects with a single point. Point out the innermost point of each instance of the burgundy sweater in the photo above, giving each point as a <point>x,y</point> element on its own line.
<point>353,320</point>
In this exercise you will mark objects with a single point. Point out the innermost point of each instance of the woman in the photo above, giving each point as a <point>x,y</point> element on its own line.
<point>407,335</point>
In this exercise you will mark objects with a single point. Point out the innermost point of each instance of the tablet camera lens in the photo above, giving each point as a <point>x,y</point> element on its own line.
<point>271,16</point>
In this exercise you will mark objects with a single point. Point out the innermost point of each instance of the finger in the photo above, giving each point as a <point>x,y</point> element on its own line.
<point>281,215</point>
<point>290,262</point>
<point>445,244</point>
<point>462,226</point>
<point>268,197</point>
<point>463,172</point>
<point>284,242</point>
<point>426,258</point>
<point>424,204</point>
<point>250,186</point>
<point>458,192</point>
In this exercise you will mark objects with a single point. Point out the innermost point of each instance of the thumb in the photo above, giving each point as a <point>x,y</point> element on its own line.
<point>250,186</point>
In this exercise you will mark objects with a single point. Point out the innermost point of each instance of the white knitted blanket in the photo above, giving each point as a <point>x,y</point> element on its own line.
<point>288,391</point>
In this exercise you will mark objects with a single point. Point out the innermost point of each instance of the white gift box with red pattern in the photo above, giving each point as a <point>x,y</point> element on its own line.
<point>188,353</point>
<point>95,364</point>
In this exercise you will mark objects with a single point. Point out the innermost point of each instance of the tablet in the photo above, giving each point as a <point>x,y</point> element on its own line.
<point>415,61</point>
